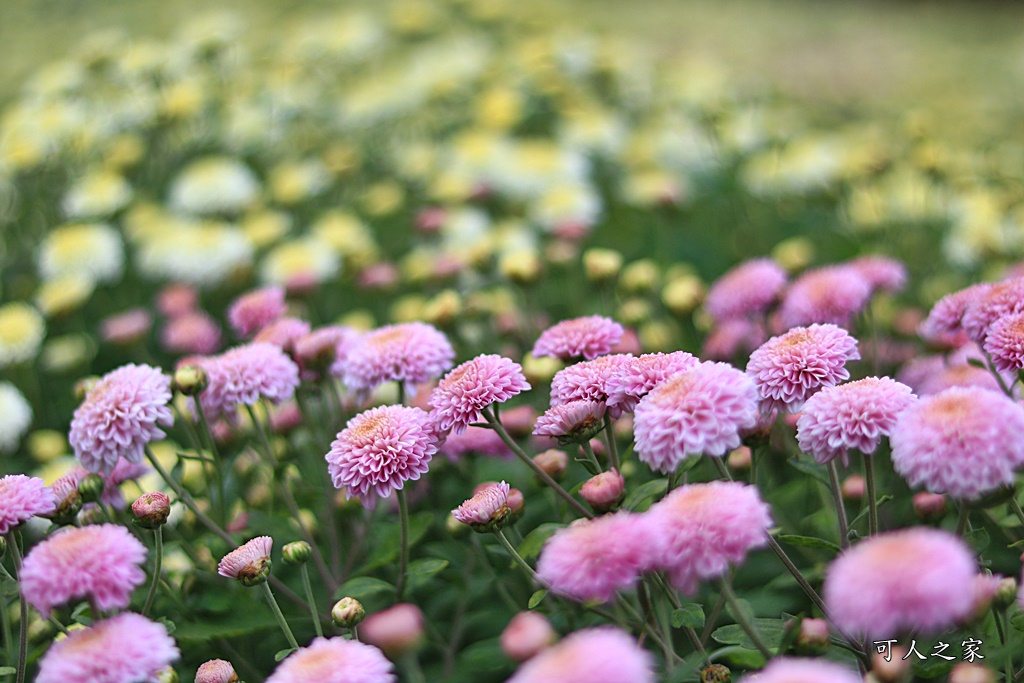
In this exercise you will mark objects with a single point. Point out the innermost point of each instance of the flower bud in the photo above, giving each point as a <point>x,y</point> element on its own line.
<point>640,276</point>
<point>151,509</point>
<point>3,546</point>
<point>516,502</point>
<point>715,673</point>
<point>1006,592</point>
<point>894,669</point>
<point>189,380</point>
<point>84,386</point>
<point>296,553</point>
<point>604,491</point>
<point>853,488</point>
<point>91,487</point>
<point>601,265</point>
<point>347,612</point>
<point>526,634</point>
<point>553,461</point>
<point>929,507</point>
<point>487,511</point>
<point>740,459</point>
<point>167,675</point>
<point>216,671</point>
<point>67,500</point>
<point>397,631</point>
<point>813,637</point>
<point>967,672</point>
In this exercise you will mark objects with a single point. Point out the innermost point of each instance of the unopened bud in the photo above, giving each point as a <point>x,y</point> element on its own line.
<point>84,386</point>
<point>296,553</point>
<point>487,511</point>
<point>216,671</point>
<point>526,634</point>
<point>601,265</point>
<point>854,488</point>
<point>516,502</point>
<point>715,673</point>
<point>167,675</point>
<point>91,487</point>
<point>604,491</point>
<point>929,507</point>
<point>347,612</point>
<point>967,672</point>
<point>813,637</point>
<point>67,500</point>
<point>740,459</point>
<point>189,380</point>
<point>889,665</point>
<point>1006,592</point>
<point>397,631</point>
<point>553,461</point>
<point>151,509</point>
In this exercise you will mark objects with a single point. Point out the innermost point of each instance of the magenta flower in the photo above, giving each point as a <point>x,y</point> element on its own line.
<point>119,416</point>
<point>832,294</point>
<point>789,368</point>
<point>575,421</point>
<point>881,272</point>
<point>216,671</point>
<point>898,581</point>
<point>963,441</point>
<point>587,380</point>
<point>792,670</point>
<point>413,353</point>
<point>701,529</point>
<point>746,291</point>
<point>854,415</point>
<point>486,506</point>
<point>128,647</point>
<point>587,337</point>
<point>635,378</point>
<point>249,563</point>
<point>101,562</point>
<point>460,398</point>
<point>194,332</point>
<point>1004,343</point>
<point>246,374</point>
<point>21,499</point>
<point>596,655</point>
<point>334,660</point>
<point>381,449</point>
<point>254,310</point>
<point>527,634</point>
<point>943,327</point>
<point>700,412</point>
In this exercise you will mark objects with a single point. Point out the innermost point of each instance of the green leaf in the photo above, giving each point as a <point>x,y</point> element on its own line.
<point>808,466</point>
<point>281,654</point>
<point>362,587</point>
<point>536,598</point>
<point>249,616</point>
<point>168,624</point>
<point>691,616</point>
<point>534,541</point>
<point>770,630</point>
<point>7,671</point>
<point>590,466</point>
<point>386,546</point>
<point>978,539</point>
<point>808,542</point>
<point>1016,544</point>
<point>427,567</point>
<point>645,494</point>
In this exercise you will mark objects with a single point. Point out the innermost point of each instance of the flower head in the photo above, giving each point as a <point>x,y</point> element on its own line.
<point>701,411</point>
<point>460,398</point>
<point>216,671</point>
<point>701,529</point>
<point>21,499</point>
<point>487,509</point>
<point>21,333</point>
<point>119,416</point>
<point>789,368</point>
<point>1004,343</point>
<point>596,655</point>
<point>792,670</point>
<point>101,562</point>
<point>745,291</point>
<point>943,327</point>
<point>335,660</point>
<point>194,332</point>
<point>325,349</point>
<point>381,449</point>
<point>899,581</point>
<point>284,333</point>
<point>999,300</point>
<point>527,634</point>
<point>254,310</point>
<point>881,272</point>
<point>397,631</point>
<point>729,338</point>
<point>479,440</point>
<point>244,375</point>
<point>126,328</point>
<point>15,417</point>
<point>854,415</point>
<point>413,353</point>
<point>587,337</point>
<point>587,380</point>
<point>963,441</point>
<point>128,647</point>
<point>635,378</point>
<point>572,422</point>
<point>833,294</point>
<point>249,563</point>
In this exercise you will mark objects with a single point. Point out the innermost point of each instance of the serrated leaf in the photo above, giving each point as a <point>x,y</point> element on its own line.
<point>690,616</point>
<point>808,466</point>
<point>645,493</point>
<point>534,541</point>
<point>281,654</point>
<point>361,587</point>
<point>808,542</point>
<point>536,598</point>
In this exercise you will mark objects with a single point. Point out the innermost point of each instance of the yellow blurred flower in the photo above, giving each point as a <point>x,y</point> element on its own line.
<point>63,294</point>
<point>96,194</point>
<point>21,333</point>
<point>266,227</point>
<point>305,258</point>
<point>92,251</point>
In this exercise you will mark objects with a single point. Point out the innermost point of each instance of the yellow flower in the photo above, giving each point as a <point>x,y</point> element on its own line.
<point>21,333</point>
<point>266,227</point>
<point>92,251</point>
<point>303,258</point>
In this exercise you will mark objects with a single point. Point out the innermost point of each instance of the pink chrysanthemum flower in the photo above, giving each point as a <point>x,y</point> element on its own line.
<point>128,647</point>
<point>587,337</point>
<point>701,529</point>
<point>833,294</point>
<point>700,412</point>
<point>480,440</point>
<point>127,327</point>
<point>596,655</point>
<point>381,449</point>
<point>587,380</point>
<point>249,563</point>
<point>244,375</point>
<point>998,301</point>
<point>325,346</point>
<point>216,671</point>
<point>635,378</point>
<point>854,415</point>
<point>898,581</point>
<point>460,398</point>
<point>119,416</point>
<point>194,332</point>
<point>1004,343</point>
<point>791,670</point>
<point>881,272</point>
<point>731,338</point>
<point>21,499</point>
<point>176,299</point>
<point>576,421</point>
<point>746,291</point>
<point>335,660</point>
<point>254,310</point>
<point>486,506</point>
<point>943,327</point>
<point>101,562</point>
<point>123,471</point>
<point>963,441</point>
<point>413,353</point>
<point>789,368</point>
<point>284,333</point>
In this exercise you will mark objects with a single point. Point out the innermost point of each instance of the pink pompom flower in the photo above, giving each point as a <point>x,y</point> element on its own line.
<point>702,529</point>
<point>397,631</point>
<point>881,272</point>
<point>246,374</point>
<point>943,326</point>
<point>898,581</point>
<point>789,368</point>
<point>487,509</point>
<point>587,338</point>
<point>731,338</point>
<point>324,350</point>
<point>635,378</point>
<point>596,655</point>
<point>284,333</point>
<point>254,310</point>
<point>587,380</point>
<point>963,441</point>
<point>128,327</point>
<point>746,291</point>
<point>381,449</point>
<point>854,415</point>
<point>128,647</point>
<point>572,422</point>
<point>249,563</point>
<point>527,634</point>
<point>1004,343</point>
<point>792,670</point>
<point>700,412</point>
<point>999,300</point>
<point>216,671</point>
<point>412,353</point>
<point>480,440</point>
<point>194,332</point>
<point>119,416</point>
<point>460,398</point>
<point>832,294</point>
<point>335,660</point>
<point>101,562</point>
<point>22,498</point>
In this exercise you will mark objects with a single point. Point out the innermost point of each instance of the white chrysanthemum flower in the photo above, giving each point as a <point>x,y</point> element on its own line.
<point>15,417</point>
<point>97,194</point>
<point>346,234</point>
<point>63,294</point>
<point>21,333</point>
<point>575,204</point>
<point>307,258</point>
<point>213,185</point>
<point>90,250</point>
<point>203,255</point>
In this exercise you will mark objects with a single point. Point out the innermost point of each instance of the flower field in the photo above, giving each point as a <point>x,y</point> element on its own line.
<point>458,340</point>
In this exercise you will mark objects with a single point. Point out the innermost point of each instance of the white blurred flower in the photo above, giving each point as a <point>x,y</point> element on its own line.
<point>214,185</point>
<point>304,259</point>
<point>90,250</point>
<point>97,194</point>
<point>203,255</point>
<point>15,417</point>
<point>21,332</point>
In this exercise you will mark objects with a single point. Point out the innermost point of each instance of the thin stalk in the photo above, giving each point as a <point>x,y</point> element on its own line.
<point>403,542</point>
<point>1016,509</point>
<point>723,469</point>
<point>401,392</point>
<point>869,477</point>
<point>797,574</point>
<point>157,562</point>
<point>411,666</point>
<point>12,541</point>
<point>514,554</point>
<point>613,448</point>
<point>222,507</point>
<point>674,601</point>
<point>961,519</point>
<point>312,603</point>
<point>276,609</point>
<point>725,587</point>
<point>646,628</point>
<point>589,452</point>
<point>837,498</point>
<point>5,623</point>
<point>998,618</point>
<point>648,616</point>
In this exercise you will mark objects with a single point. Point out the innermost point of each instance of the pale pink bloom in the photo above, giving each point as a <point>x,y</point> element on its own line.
<point>832,294</point>
<point>100,562</point>
<point>246,374</point>
<point>485,504</point>
<point>638,376</point>
<point>382,275</point>
<point>629,344</point>
<point>126,328</point>
<point>285,418</point>
<point>479,440</point>
<point>881,272</point>
<point>999,300</point>
<point>731,338</point>
<point>943,326</point>
<point>249,562</point>
<point>597,655</point>
<point>699,412</point>
<point>576,420</point>
<point>176,299</point>
<point>899,581</point>
<point>334,660</point>
<point>789,368</point>
<point>792,670</point>
<point>119,416</point>
<point>381,449</point>
<point>519,421</point>
<point>397,630</point>
<point>122,649</point>
<point>255,310</point>
<point>412,353</point>
<point>928,375</point>
<point>216,671</point>
<point>1004,343</point>
<point>123,471</point>
<point>746,291</point>
<point>587,337</point>
<point>430,219</point>
<point>586,381</point>
<point>194,332</point>
<point>527,634</point>
<point>325,346</point>
<point>854,415</point>
<point>21,499</point>
<point>460,398</point>
<point>603,490</point>
<point>283,333</point>
<point>963,441</point>
<point>592,559</point>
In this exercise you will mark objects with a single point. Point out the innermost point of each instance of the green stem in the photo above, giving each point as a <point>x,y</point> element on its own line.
<point>276,609</point>
<point>998,618</point>
<point>837,498</point>
<point>403,542</point>
<point>401,392</point>
<point>613,448</point>
<point>869,477</point>
<point>961,520</point>
<point>222,505</point>
<point>1016,508</point>
<point>158,561</point>
<point>514,554</point>
<point>589,452</point>
<point>5,623</point>
<point>312,603</point>
<point>411,666</point>
<point>725,587</point>
<point>12,541</point>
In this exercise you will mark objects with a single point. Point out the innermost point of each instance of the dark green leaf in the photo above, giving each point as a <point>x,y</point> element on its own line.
<point>642,496</point>
<point>7,671</point>
<point>808,466</point>
<point>168,624</point>
<point>386,548</point>
<point>361,587</point>
<point>590,466</point>
<point>771,631</point>
<point>428,566</point>
<point>691,615</point>
<point>534,541</point>
<point>808,542</point>
<point>978,539</point>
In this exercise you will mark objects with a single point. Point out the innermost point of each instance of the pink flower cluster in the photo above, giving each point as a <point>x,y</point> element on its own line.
<point>412,353</point>
<point>244,375</point>
<point>462,395</point>
<point>585,338</point>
